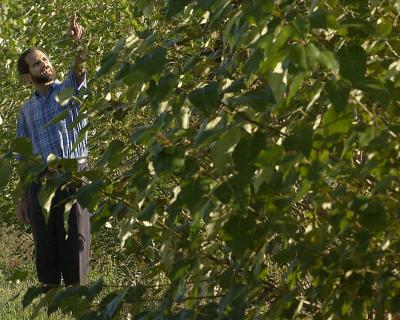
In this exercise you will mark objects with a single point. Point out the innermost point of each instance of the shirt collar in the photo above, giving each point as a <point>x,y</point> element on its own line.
<point>37,94</point>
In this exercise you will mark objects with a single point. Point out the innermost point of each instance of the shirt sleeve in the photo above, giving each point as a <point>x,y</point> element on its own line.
<point>22,127</point>
<point>22,130</point>
<point>70,81</point>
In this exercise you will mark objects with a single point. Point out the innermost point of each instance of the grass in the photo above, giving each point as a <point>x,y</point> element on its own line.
<point>16,253</point>
<point>11,304</point>
<point>117,269</point>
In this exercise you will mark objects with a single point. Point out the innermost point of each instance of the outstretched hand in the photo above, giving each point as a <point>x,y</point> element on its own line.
<point>76,29</point>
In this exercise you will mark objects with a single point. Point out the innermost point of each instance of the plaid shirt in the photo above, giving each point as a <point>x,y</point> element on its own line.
<point>58,138</point>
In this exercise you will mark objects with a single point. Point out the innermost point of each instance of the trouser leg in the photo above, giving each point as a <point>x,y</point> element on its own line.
<point>44,235</point>
<point>74,246</point>
<point>74,249</point>
<point>59,251</point>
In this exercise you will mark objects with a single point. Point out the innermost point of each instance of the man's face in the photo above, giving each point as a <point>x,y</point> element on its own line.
<point>40,68</point>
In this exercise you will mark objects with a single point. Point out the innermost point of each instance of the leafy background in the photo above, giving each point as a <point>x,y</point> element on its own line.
<point>244,155</point>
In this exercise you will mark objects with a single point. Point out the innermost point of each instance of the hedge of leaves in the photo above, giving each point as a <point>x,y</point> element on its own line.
<point>247,152</point>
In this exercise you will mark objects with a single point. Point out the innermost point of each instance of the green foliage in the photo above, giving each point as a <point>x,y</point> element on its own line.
<point>245,151</point>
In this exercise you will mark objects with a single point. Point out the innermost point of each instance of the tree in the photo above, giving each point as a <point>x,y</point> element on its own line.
<point>247,150</point>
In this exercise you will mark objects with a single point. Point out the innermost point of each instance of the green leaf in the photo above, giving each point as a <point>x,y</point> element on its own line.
<point>239,233</point>
<point>246,152</point>
<point>5,172</point>
<point>206,99</point>
<point>271,156</point>
<point>297,54</point>
<point>135,293</point>
<point>301,140</point>
<point>22,146</point>
<point>193,193</point>
<point>175,6</point>
<point>295,85</point>
<point>18,275</point>
<point>48,191</point>
<point>261,99</point>
<point>253,63</point>
<point>225,146</point>
<point>106,64</point>
<point>241,191</point>
<point>61,116</point>
<point>146,67</point>
<point>113,154</point>
<point>322,19</point>
<point>144,134</point>
<point>114,305</point>
<point>336,123</point>
<point>30,295</point>
<point>338,93</point>
<point>63,98</point>
<point>87,195</point>
<point>159,92</point>
<point>223,192</point>
<point>353,62</point>
<point>327,58</point>
<point>147,213</point>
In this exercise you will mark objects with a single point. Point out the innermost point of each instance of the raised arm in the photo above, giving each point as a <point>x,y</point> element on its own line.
<point>79,62</point>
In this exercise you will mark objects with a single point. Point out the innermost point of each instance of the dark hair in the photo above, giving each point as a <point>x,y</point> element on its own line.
<point>22,65</point>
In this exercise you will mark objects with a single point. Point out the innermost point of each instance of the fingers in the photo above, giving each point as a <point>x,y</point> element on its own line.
<point>76,29</point>
<point>73,21</point>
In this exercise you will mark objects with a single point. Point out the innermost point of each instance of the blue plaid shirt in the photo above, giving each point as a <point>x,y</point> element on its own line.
<point>58,138</point>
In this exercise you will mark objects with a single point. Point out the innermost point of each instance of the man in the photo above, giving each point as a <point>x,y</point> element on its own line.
<point>58,253</point>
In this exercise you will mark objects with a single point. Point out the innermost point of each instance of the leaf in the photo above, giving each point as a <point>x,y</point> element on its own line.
<point>241,192</point>
<point>18,275</point>
<point>295,85</point>
<point>95,288</point>
<point>253,63</point>
<point>87,195</point>
<point>336,123</point>
<point>147,213</point>
<point>246,152</point>
<point>206,99</point>
<point>353,62</point>
<point>5,172</point>
<point>297,54</point>
<point>61,116</point>
<point>63,98</point>
<point>22,146</point>
<point>278,83</point>
<point>107,64</point>
<point>239,233</point>
<point>144,134</point>
<point>175,6</point>
<point>30,295</point>
<point>112,154</point>
<point>338,93</point>
<point>146,67</point>
<point>270,156</point>
<point>301,140</point>
<point>48,191</point>
<point>114,305</point>
<point>159,92</point>
<point>225,146</point>
<point>193,193</point>
<point>223,193</point>
<point>327,58</point>
<point>322,19</point>
<point>261,99</point>
<point>135,294</point>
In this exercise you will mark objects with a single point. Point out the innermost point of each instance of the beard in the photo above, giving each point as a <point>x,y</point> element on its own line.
<point>45,77</point>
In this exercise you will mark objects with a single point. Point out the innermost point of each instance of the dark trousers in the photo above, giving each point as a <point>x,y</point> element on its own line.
<point>61,250</point>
